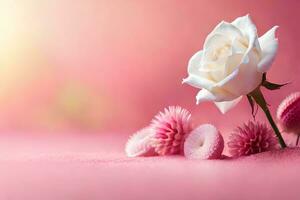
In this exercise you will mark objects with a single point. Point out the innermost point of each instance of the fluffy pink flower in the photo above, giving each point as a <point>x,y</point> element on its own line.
<point>139,144</point>
<point>288,113</point>
<point>204,142</point>
<point>171,128</point>
<point>251,138</point>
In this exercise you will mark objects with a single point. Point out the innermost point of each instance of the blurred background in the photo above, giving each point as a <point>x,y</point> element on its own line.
<point>108,66</point>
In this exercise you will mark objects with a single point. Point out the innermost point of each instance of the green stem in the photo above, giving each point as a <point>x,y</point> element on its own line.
<point>277,132</point>
<point>260,100</point>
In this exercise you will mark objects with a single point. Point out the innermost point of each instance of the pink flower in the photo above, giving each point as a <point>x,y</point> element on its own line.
<point>251,138</point>
<point>171,128</point>
<point>288,113</point>
<point>204,142</point>
<point>139,144</point>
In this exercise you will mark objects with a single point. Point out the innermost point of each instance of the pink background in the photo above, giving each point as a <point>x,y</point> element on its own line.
<point>78,76</point>
<point>94,66</point>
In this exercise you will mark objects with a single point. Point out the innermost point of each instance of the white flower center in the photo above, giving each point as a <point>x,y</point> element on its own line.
<point>221,52</point>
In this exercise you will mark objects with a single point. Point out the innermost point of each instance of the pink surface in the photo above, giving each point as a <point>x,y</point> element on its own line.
<point>113,64</point>
<point>80,167</point>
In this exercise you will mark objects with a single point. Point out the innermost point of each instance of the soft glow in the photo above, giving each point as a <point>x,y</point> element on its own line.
<point>128,56</point>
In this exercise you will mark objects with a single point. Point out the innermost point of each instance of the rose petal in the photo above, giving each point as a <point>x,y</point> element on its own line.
<point>217,94</point>
<point>198,82</point>
<point>238,81</point>
<point>228,30</point>
<point>227,105</point>
<point>216,40</point>
<point>196,77</point>
<point>211,66</point>
<point>248,28</point>
<point>269,46</point>
<point>239,46</point>
<point>233,62</point>
<point>204,95</point>
<point>244,24</point>
<point>195,63</point>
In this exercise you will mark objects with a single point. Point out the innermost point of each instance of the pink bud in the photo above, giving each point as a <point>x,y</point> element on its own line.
<point>204,142</point>
<point>288,113</point>
<point>171,128</point>
<point>139,144</point>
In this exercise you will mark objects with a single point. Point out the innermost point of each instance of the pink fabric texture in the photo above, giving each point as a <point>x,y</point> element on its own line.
<point>119,62</point>
<point>95,167</point>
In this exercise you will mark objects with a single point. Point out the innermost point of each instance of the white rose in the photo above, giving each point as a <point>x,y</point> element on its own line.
<point>231,63</point>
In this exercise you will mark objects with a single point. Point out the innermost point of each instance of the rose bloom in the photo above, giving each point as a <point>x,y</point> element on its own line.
<point>232,62</point>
